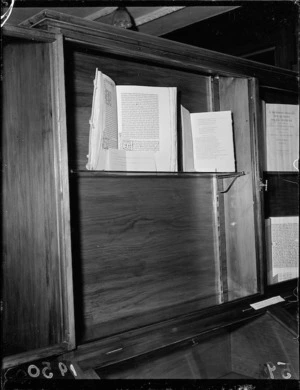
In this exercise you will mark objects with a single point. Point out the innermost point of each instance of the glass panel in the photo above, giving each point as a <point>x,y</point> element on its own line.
<point>281,179</point>
<point>151,248</point>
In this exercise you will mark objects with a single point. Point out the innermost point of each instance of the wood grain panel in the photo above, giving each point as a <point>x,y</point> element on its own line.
<point>146,250</point>
<point>239,201</point>
<point>31,293</point>
<point>192,91</point>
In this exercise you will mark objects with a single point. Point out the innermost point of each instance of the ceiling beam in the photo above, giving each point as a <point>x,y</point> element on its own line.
<point>141,15</point>
<point>100,13</point>
<point>162,20</point>
<point>156,14</point>
<point>181,18</point>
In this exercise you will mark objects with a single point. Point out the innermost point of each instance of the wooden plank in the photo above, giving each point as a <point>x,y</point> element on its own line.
<point>99,13</point>
<point>26,357</point>
<point>145,248</point>
<point>32,302</point>
<point>174,54</point>
<point>215,106</point>
<point>239,203</point>
<point>20,14</point>
<point>174,18</point>
<point>255,129</point>
<point>222,242</point>
<point>158,336</point>
<point>37,290</point>
<point>204,357</point>
<point>154,14</point>
<point>27,33</point>
<point>61,172</point>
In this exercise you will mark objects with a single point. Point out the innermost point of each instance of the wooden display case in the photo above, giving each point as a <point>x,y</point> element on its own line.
<point>147,259</point>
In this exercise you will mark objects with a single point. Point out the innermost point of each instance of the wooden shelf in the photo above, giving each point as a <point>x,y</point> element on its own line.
<point>102,174</point>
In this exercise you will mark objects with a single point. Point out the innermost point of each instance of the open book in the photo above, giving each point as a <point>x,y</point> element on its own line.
<point>207,141</point>
<point>132,128</point>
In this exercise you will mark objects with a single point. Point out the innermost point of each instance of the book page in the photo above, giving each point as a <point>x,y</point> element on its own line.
<point>147,123</point>
<point>121,160</point>
<point>110,114</point>
<point>103,123</point>
<point>282,137</point>
<point>94,136</point>
<point>213,141</point>
<point>282,248</point>
<point>187,141</point>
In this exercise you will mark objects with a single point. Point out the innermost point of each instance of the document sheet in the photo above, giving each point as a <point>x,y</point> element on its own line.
<point>282,234</point>
<point>282,137</point>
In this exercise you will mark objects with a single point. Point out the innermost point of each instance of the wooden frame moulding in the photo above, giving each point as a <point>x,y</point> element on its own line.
<point>60,172</point>
<point>123,42</point>
<point>61,167</point>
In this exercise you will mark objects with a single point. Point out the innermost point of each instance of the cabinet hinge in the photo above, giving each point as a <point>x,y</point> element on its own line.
<point>263,185</point>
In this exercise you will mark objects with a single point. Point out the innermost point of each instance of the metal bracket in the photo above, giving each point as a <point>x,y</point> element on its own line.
<point>230,185</point>
<point>237,175</point>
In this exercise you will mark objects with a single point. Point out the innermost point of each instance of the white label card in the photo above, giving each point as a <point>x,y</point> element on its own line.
<point>267,302</point>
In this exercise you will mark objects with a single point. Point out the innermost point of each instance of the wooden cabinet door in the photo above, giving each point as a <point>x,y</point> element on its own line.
<point>37,290</point>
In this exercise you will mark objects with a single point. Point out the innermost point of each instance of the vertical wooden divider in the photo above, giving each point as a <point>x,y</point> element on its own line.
<point>214,98</point>
<point>61,172</point>
<point>240,212</point>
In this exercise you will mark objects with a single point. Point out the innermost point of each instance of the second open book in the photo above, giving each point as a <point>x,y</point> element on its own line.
<point>207,141</point>
<point>134,128</point>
